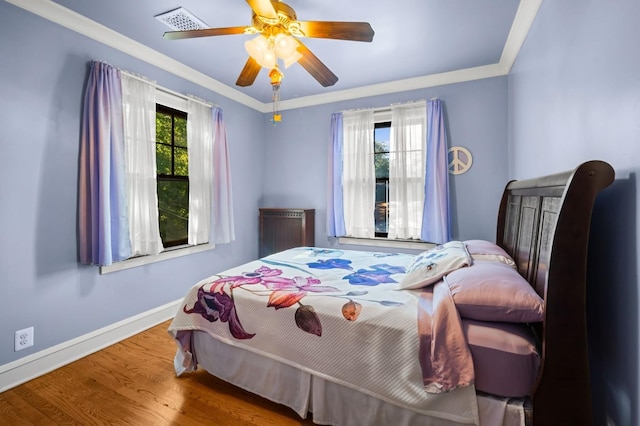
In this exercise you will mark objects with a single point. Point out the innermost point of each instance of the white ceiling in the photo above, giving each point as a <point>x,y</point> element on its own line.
<point>417,43</point>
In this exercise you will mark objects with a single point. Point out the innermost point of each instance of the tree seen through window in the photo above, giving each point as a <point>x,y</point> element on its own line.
<point>173,175</point>
<point>381,138</point>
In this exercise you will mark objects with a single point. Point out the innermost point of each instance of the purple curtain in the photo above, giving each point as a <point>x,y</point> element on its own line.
<point>335,209</point>
<point>436,222</point>
<point>222,228</point>
<point>103,223</point>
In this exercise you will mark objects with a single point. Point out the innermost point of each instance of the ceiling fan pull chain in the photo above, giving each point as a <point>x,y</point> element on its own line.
<point>276,78</point>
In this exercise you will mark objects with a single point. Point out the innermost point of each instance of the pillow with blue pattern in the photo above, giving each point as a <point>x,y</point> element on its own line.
<point>430,266</point>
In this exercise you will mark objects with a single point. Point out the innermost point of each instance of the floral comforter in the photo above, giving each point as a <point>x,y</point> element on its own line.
<point>337,314</point>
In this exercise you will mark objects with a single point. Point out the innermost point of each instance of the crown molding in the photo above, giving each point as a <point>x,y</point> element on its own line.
<point>458,76</point>
<point>525,15</point>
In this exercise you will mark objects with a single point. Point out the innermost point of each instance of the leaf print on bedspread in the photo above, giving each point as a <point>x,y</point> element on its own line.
<point>351,310</point>
<point>313,252</point>
<point>308,320</point>
<point>378,274</point>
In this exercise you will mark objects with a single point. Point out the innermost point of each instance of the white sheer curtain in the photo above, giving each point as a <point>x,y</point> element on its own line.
<point>406,169</point>
<point>359,177</point>
<point>200,147</point>
<point>139,116</point>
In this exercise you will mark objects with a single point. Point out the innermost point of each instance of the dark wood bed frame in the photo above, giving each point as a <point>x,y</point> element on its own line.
<point>544,225</point>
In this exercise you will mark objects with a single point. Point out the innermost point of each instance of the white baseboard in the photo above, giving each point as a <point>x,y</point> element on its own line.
<point>39,363</point>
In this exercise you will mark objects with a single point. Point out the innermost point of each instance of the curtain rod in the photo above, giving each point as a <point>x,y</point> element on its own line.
<point>169,91</point>
<point>385,109</point>
<point>388,109</point>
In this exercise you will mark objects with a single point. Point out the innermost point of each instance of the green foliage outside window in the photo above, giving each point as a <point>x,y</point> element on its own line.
<point>172,162</point>
<point>381,139</point>
<point>173,201</point>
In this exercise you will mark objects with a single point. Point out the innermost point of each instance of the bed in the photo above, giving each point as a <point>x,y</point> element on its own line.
<point>469,332</point>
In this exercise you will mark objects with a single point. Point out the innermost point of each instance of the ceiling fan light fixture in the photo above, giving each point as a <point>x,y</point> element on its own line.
<point>269,59</point>
<point>291,59</point>
<point>285,45</point>
<point>279,28</point>
<point>259,49</point>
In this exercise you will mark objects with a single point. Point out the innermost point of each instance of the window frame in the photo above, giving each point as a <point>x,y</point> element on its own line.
<point>381,125</point>
<point>160,177</point>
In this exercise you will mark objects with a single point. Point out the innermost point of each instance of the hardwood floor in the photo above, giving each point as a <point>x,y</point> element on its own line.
<point>133,383</point>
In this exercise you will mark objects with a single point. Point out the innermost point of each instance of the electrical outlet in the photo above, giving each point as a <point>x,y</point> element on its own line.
<point>24,339</point>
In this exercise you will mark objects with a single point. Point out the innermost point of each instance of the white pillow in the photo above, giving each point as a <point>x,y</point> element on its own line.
<point>431,265</point>
<point>486,250</point>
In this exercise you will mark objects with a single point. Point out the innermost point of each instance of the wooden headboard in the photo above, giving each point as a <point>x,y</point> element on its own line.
<point>544,225</point>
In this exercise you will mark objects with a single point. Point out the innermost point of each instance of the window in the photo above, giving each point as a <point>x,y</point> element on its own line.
<point>381,140</point>
<point>173,175</point>
<point>383,172</point>
<point>415,202</point>
<point>134,136</point>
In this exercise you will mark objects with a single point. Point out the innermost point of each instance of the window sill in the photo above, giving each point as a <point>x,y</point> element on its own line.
<point>383,242</point>
<point>169,253</point>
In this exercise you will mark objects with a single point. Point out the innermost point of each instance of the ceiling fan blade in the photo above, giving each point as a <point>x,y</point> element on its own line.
<point>315,67</point>
<point>207,32</point>
<point>263,8</point>
<point>355,31</point>
<point>249,73</point>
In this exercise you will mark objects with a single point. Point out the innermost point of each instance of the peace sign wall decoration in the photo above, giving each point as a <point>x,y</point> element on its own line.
<point>460,160</point>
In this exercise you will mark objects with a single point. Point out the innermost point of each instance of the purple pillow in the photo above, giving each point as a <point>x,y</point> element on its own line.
<point>494,291</point>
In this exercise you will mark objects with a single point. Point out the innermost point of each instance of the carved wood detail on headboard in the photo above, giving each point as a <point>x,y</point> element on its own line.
<point>530,225</point>
<point>544,225</point>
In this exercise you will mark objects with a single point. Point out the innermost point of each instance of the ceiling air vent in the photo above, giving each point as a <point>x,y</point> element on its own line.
<point>181,19</point>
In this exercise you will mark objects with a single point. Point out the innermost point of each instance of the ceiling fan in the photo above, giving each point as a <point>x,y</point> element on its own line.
<point>277,26</point>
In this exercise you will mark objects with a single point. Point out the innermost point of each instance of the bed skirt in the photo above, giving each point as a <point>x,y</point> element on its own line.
<point>326,402</point>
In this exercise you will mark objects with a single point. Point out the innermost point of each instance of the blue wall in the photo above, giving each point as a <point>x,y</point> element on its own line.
<point>574,95</point>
